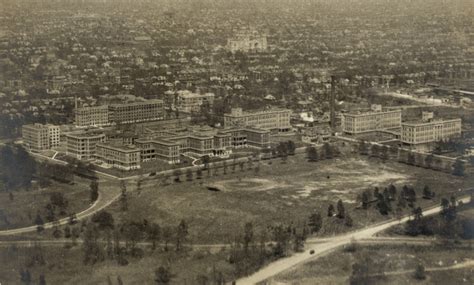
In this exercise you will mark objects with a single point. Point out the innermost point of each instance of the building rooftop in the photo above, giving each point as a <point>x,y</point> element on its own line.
<point>120,147</point>
<point>435,121</point>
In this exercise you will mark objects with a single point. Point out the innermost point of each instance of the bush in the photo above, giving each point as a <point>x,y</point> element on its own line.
<point>420,272</point>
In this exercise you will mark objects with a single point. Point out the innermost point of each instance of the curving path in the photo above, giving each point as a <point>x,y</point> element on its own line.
<point>284,264</point>
<point>107,195</point>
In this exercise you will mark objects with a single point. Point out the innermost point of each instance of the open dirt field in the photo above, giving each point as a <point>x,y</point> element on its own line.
<point>279,193</point>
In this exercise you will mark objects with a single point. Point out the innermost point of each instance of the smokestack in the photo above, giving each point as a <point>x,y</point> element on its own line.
<point>332,103</point>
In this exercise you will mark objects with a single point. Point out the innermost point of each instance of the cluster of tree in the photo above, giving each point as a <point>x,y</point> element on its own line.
<point>445,146</point>
<point>57,206</point>
<point>448,224</point>
<point>284,149</point>
<point>17,168</point>
<point>431,162</point>
<point>58,172</point>
<point>379,151</point>
<point>81,168</point>
<point>248,253</point>
<point>411,158</point>
<point>105,239</point>
<point>27,279</point>
<point>383,199</point>
<point>327,151</point>
<point>340,213</point>
<point>211,169</point>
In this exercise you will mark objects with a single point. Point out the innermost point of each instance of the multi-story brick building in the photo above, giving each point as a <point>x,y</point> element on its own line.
<point>429,130</point>
<point>92,116</point>
<point>125,157</point>
<point>189,102</point>
<point>38,137</point>
<point>169,145</point>
<point>151,110</point>
<point>273,119</point>
<point>376,119</point>
<point>83,145</point>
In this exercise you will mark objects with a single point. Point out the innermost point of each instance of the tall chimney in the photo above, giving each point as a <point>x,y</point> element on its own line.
<point>332,103</point>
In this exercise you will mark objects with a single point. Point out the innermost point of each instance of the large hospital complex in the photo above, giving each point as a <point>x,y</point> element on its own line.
<point>153,137</point>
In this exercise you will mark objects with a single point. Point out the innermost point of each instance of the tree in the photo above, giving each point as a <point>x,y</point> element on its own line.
<point>291,147</point>
<point>92,250</point>
<point>411,159</point>
<point>417,213</point>
<point>248,236</point>
<point>427,192</point>
<point>67,232</point>
<point>202,279</point>
<point>177,175</point>
<point>124,200</point>
<point>384,153</point>
<point>363,148</point>
<point>154,234</point>
<point>39,223</point>
<point>327,151</point>
<point>72,219</point>
<point>57,233</point>
<point>340,209</point>
<point>429,161</point>
<point>25,277</point>
<point>167,235</point>
<point>420,272</point>
<point>375,150</point>
<point>315,222</point>
<point>382,204</point>
<point>104,220</point>
<point>257,169</point>
<point>57,199</point>
<point>94,190</point>
<point>393,191</point>
<point>42,280</point>
<point>330,210</point>
<point>312,153</point>
<point>189,175</point>
<point>348,221</point>
<point>365,199</point>
<point>205,160</point>
<point>282,149</point>
<point>224,166</point>
<point>181,234</point>
<point>199,174</point>
<point>132,234</point>
<point>458,168</point>
<point>162,275</point>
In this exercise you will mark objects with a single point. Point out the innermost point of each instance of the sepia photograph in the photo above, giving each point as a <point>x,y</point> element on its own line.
<point>236,142</point>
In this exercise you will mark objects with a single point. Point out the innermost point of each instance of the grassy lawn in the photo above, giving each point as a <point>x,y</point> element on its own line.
<point>336,267</point>
<point>22,210</point>
<point>279,193</point>
<point>65,266</point>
